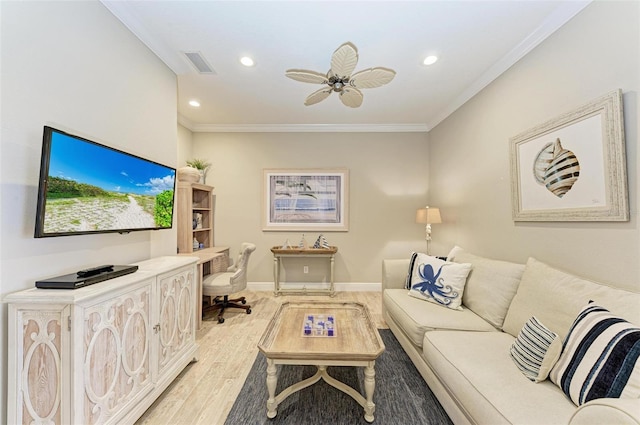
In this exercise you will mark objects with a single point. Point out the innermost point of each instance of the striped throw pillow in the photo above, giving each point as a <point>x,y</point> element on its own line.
<point>535,350</point>
<point>599,358</point>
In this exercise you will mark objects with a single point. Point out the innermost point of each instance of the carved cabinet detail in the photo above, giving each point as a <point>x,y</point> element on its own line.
<point>37,365</point>
<point>177,313</point>
<point>117,342</point>
<point>103,353</point>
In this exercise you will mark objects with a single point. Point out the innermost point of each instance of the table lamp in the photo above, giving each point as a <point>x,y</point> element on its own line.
<point>428,216</point>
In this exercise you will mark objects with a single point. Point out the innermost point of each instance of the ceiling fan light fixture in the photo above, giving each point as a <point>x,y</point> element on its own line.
<point>430,60</point>
<point>247,61</point>
<point>341,79</point>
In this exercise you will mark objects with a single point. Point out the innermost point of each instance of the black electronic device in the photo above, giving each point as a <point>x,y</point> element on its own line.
<point>85,277</point>
<point>95,270</point>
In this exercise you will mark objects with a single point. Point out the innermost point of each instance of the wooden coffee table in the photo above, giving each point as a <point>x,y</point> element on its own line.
<point>356,342</point>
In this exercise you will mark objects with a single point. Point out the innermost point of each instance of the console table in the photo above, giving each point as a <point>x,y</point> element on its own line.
<point>103,353</point>
<point>279,253</point>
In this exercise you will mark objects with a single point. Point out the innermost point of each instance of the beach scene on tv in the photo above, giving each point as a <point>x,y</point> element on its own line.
<point>93,188</point>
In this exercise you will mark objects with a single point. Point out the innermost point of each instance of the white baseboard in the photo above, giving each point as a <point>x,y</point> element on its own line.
<point>340,286</point>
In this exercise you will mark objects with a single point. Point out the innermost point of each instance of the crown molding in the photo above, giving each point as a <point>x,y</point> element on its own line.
<point>185,122</point>
<point>123,12</point>
<point>302,128</point>
<point>563,14</point>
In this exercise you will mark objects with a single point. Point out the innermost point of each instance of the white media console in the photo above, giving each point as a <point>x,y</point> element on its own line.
<point>103,353</point>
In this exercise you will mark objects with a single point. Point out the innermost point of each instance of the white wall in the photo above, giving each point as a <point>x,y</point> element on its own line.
<point>185,144</point>
<point>388,182</point>
<point>595,53</point>
<point>72,65</point>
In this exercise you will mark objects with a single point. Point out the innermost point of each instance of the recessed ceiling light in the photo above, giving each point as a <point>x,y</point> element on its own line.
<point>194,103</point>
<point>430,60</point>
<point>246,61</point>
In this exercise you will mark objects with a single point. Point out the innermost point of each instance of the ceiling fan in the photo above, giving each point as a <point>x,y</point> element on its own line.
<point>340,80</point>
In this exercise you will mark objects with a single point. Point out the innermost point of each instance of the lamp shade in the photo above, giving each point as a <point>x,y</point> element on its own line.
<point>428,216</point>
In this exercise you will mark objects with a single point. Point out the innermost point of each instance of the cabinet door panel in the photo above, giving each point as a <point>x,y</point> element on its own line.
<point>177,312</point>
<point>117,341</point>
<point>37,370</point>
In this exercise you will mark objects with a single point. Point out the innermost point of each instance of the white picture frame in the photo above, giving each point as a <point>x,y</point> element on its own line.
<point>572,167</point>
<point>306,200</point>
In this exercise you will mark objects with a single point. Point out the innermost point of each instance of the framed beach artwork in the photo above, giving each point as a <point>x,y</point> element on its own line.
<point>573,167</point>
<point>306,200</point>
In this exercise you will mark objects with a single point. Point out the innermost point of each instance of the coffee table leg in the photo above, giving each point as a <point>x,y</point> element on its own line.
<point>272,381</point>
<point>369,387</point>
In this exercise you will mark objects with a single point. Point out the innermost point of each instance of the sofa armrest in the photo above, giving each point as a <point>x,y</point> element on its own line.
<point>394,273</point>
<point>619,411</point>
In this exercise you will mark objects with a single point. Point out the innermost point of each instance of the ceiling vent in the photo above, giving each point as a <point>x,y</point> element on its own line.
<point>199,62</point>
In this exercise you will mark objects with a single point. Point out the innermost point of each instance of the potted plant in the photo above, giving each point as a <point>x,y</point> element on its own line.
<point>202,166</point>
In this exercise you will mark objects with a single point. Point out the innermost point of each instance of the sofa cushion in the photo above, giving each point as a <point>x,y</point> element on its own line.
<point>437,281</point>
<point>478,372</point>
<point>556,297</point>
<point>394,273</point>
<point>535,350</point>
<point>415,317</point>
<point>600,358</point>
<point>491,285</point>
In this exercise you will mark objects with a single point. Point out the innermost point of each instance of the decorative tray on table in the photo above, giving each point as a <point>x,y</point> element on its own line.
<point>319,325</point>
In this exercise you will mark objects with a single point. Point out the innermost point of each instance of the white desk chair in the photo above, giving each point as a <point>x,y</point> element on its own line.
<point>223,284</point>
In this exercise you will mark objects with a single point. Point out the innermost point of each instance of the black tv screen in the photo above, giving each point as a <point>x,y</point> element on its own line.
<point>86,187</point>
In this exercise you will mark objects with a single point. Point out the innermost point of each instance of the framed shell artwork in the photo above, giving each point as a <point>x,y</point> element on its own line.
<point>573,167</point>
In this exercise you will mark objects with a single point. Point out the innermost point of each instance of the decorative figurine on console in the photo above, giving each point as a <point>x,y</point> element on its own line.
<point>197,221</point>
<point>321,243</point>
<point>303,243</point>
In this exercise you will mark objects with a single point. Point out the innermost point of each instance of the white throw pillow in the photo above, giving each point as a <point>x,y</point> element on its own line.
<point>437,281</point>
<point>451,256</point>
<point>536,350</point>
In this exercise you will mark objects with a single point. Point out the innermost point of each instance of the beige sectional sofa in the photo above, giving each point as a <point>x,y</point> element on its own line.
<point>464,356</point>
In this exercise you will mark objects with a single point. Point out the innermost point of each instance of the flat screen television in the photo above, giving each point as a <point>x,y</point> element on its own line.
<point>86,187</point>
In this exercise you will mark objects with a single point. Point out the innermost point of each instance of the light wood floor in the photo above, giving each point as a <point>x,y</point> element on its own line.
<point>206,390</point>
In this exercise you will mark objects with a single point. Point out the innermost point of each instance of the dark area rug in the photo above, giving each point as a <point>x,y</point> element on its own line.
<point>401,395</point>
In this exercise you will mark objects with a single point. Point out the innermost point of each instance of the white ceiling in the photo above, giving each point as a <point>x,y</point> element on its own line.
<point>475,41</point>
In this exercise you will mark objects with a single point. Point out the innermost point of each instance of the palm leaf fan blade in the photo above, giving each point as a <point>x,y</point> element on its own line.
<point>351,97</point>
<point>306,76</point>
<point>344,60</point>
<point>317,96</point>
<point>372,77</point>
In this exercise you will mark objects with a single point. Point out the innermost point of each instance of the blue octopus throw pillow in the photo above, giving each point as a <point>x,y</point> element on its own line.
<point>440,282</point>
